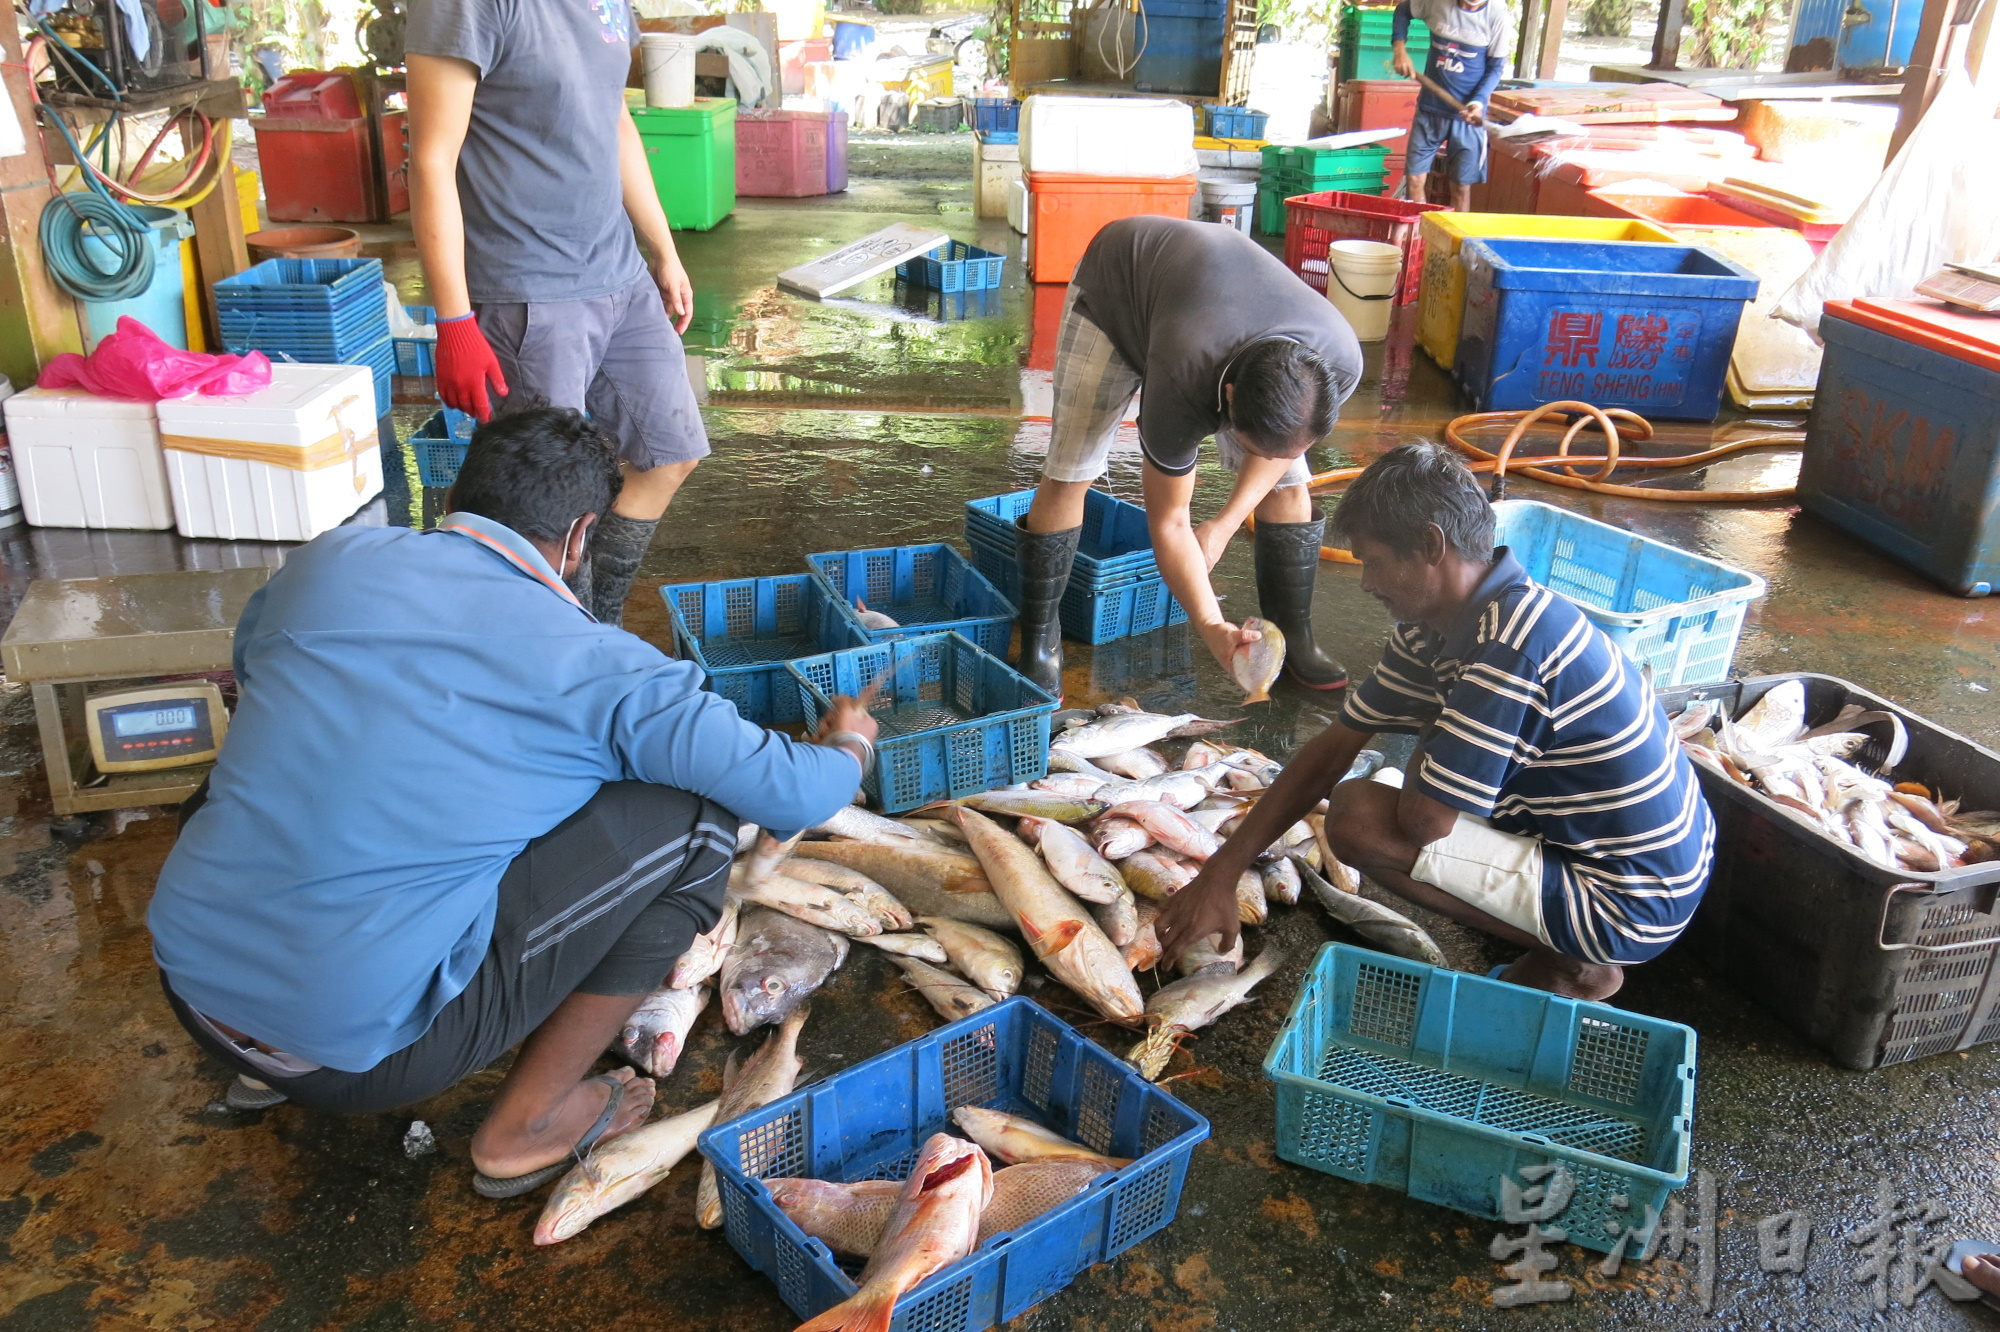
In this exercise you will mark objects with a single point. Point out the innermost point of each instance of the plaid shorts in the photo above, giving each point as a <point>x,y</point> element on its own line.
<point>1093,387</point>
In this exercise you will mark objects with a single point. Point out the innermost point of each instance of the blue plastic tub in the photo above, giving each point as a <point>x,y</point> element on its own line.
<point>417,356</point>
<point>1679,612</point>
<point>1091,612</point>
<point>440,445</point>
<point>991,114</point>
<point>1236,122</point>
<point>1000,136</point>
<point>742,631</point>
<point>1617,323</point>
<point>1115,546</point>
<point>925,589</point>
<point>870,1121</point>
<point>1439,1084</point>
<point>1183,52</point>
<point>1903,451</point>
<point>161,306</point>
<point>954,266</point>
<point>955,720</point>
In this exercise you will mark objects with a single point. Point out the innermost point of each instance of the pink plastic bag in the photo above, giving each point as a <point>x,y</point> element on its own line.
<point>134,363</point>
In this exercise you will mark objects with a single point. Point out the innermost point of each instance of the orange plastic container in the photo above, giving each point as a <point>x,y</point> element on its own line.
<point>1676,210</point>
<point>1566,187</point>
<point>1067,212</point>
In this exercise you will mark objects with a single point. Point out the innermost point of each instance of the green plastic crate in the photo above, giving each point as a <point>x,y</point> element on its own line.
<point>1365,48</point>
<point>692,153</point>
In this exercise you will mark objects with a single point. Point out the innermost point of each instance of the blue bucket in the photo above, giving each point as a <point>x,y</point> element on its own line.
<point>161,306</point>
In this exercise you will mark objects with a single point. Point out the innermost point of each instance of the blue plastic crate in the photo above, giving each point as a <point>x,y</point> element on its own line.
<point>925,589</point>
<point>303,284</point>
<point>1903,451</point>
<point>1439,1084</point>
<point>1236,122</point>
<point>1679,612</point>
<point>870,1122</point>
<point>742,631</point>
<point>1091,612</point>
<point>1183,52</point>
<point>417,356</point>
<point>1617,323</point>
<point>954,266</point>
<point>955,720</point>
<point>994,113</point>
<point>1115,545</point>
<point>440,445</point>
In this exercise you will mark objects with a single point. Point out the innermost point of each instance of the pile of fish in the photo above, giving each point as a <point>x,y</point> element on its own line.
<point>1826,776</point>
<point>952,1202</point>
<point>1074,866</point>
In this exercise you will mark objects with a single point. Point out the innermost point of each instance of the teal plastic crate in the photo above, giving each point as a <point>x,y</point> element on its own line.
<point>440,444</point>
<point>1091,612</point>
<point>743,631</point>
<point>1115,544</point>
<point>954,720</point>
<point>1678,612</point>
<point>871,1120</point>
<point>1439,1084</point>
<point>417,356</point>
<point>1236,122</point>
<point>925,589</point>
<point>954,266</point>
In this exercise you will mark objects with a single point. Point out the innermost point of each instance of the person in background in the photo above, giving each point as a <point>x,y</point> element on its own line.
<point>1469,41</point>
<point>528,182</point>
<point>1219,338</point>
<point>1548,802</point>
<point>457,814</point>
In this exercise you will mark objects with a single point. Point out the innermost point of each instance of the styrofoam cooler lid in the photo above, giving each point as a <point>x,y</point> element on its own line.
<point>1138,137</point>
<point>54,404</point>
<point>302,405</point>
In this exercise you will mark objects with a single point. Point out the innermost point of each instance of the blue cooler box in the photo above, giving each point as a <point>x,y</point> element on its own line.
<point>1631,324</point>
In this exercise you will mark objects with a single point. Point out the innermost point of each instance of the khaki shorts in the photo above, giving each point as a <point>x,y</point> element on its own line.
<point>1093,387</point>
<point>1500,873</point>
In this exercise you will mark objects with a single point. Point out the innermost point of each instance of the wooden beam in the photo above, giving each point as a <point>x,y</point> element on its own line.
<point>1920,77</point>
<point>1667,37</point>
<point>1532,37</point>
<point>1552,39</point>
<point>219,251</point>
<point>37,318</point>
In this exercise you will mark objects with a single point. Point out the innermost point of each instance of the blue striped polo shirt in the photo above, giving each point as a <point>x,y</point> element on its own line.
<point>1531,717</point>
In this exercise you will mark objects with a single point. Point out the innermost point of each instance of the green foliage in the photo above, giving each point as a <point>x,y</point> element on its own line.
<point>297,29</point>
<point>1729,34</point>
<point>1311,22</point>
<point>1608,18</point>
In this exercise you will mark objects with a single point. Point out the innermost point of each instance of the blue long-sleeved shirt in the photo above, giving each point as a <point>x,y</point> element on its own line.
<point>415,708</point>
<point>1468,47</point>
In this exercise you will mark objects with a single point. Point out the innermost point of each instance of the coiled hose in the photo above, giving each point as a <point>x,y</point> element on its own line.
<point>69,219</point>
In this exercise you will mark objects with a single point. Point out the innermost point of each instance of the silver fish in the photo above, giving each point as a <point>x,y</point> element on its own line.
<point>1073,860</point>
<point>920,946</point>
<point>747,1084</point>
<point>1389,930</point>
<point>1255,666</point>
<point>1192,1003</point>
<point>1116,839</point>
<point>1062,760</point>
<point>1202,954</point>
<point>1778,718</point>
<point>1281,881</point>
<point>1143,953</point>
<point>813,903</point>
<point>1182,790</point>
<point>950,996</point>
<point>858,887</point>
<point>1076,785</point>
<point>618,1170</point>
<point>775,966</point>
<point>657,1031</point>
<point>1118,734</point>
<point>990,961</point>
<point>704,956</point>
<point>1170,827</point>
<point>1118,918</point>
<point>1138,764</point>
<point>860,825</point>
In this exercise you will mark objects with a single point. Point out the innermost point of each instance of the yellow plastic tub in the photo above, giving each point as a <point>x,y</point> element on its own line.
<point>1442,302</point>
<point>248,189</point>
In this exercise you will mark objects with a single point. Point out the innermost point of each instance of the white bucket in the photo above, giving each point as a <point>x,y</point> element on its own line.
<point>1226,200</point>
<point>667,61</point>
<point>1361,283</point>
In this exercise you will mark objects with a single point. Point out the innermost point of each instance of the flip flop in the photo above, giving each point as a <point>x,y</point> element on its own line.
<point>244,1094</point>
<point>1495,973</point>
<point>513,1186</point>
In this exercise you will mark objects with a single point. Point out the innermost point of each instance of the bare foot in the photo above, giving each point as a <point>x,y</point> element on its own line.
<point>503,1151</point>
<point>1983,1271</point>
<point>1542,970</point>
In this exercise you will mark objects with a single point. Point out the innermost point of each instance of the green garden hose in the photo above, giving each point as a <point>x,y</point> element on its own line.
<point>117,230</point>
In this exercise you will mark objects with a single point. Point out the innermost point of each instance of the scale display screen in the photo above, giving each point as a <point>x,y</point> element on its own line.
<point>152,722</point>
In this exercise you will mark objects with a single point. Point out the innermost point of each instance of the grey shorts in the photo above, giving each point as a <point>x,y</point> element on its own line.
<point>1094,385</point>
<point>616,357</point>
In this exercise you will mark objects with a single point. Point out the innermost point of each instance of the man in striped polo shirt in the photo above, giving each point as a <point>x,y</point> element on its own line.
<point>1547,804</point>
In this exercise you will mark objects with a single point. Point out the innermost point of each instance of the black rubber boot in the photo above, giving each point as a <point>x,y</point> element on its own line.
<point>1045,559</point>
<point>1287,557</point>
<point>616,548</point>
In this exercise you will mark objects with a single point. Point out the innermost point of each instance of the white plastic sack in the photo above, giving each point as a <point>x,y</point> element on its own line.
<point>749,66</point>
<point>1937,203</point>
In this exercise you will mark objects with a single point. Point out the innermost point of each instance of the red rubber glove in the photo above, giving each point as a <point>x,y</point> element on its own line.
<point>467,367</point>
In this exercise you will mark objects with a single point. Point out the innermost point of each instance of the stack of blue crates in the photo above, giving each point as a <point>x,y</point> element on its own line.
<point>1115,588</point>
<point>318,311</point>
<point>1183,51</point>
<point>440,445</point>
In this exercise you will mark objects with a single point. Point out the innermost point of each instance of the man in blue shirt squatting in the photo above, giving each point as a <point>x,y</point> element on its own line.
<point>1547,803</point>
<point>456,813</point>
<point>1468,51</point>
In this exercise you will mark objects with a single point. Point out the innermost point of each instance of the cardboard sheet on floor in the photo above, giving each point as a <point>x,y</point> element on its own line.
<point>857,261</point>
<point>1773,359</point>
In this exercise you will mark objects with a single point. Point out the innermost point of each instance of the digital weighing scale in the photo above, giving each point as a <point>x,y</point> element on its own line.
<point>145,742</point>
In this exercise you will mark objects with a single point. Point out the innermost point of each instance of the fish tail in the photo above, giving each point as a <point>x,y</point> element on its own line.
<point>867,1310</point>
<point>1261,696</point>
<point>708,1199</point>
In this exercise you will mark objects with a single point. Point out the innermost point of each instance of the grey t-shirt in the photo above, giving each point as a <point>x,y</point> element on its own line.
<point>538,175</point>
<point>1179,300</point>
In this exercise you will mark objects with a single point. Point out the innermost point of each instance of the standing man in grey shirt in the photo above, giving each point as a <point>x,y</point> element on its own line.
<point>527,183</point>
<point>1219,338</point>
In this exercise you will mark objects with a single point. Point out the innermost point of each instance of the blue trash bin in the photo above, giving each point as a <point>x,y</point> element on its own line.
<point>160,307</point>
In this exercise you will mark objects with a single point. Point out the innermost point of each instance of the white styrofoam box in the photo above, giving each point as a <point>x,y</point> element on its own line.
<point>1018,211</point>
<point>315,412</point>
<point>1135,137</point>
<point>86,461</point>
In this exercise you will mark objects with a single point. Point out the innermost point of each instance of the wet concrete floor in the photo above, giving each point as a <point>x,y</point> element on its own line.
<point>129,1198</point>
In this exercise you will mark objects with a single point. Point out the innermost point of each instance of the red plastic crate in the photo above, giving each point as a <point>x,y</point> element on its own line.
<point>1377,104</point>
<point>1315,221</point>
